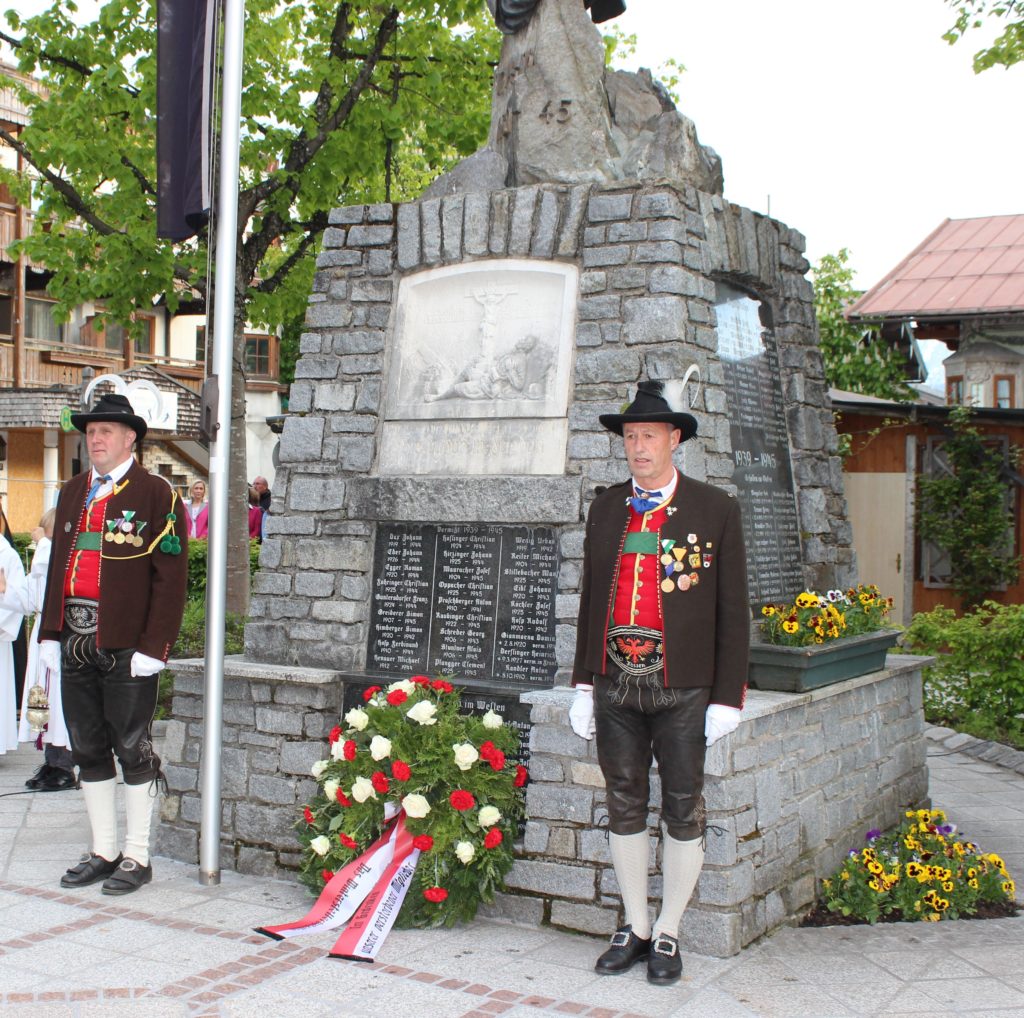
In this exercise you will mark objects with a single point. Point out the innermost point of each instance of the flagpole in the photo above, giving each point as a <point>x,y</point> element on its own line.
<point>220,447</point>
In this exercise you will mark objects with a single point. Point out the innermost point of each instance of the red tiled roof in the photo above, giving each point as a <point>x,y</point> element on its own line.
<point>966,266</point>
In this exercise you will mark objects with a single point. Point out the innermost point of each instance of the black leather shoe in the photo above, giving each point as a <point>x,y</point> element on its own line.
<point>664,966</point>
<point>39,777</point>
<point>90,868</point>
<point>626,950</point>
<point>128,877</point>
<point>58,780</point>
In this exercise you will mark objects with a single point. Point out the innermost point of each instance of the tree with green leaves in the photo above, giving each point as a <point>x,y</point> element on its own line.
<point>343,103</point>
<point>966,511</point>
<point>856,359</point>
<point>1008,47</point>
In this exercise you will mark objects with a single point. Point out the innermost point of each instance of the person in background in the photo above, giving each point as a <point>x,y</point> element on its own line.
<point>12,575</point>
<point>57,773</point>
<point>19,645</point>
<point>263,491</point>
<point>198,510</point>
<point>255,515</point>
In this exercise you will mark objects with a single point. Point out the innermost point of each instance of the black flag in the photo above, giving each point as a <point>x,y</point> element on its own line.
<point>185,42</point>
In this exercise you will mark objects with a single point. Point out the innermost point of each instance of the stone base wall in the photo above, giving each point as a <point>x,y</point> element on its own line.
<point>788,794</point>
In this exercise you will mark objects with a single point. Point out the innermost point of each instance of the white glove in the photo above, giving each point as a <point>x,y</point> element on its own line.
<point>143,665</point>
<point>49,654</point>
<point>720,720</point>
<point>581,713</point>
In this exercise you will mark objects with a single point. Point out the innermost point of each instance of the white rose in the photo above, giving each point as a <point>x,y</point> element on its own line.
<point>380,747</point>
<point>321,844</point>
<point>318,768</point>
<point>422,713</point>
<point>404,685</point>
<point>362,789</point>
<point>488,816</point>
<point>491,720</point>
<point>357,719</point>
<point>338,749</point>
<point>331,790</point>
<point>465,755</point>
<point>416,806</point>
<point>465,851</point>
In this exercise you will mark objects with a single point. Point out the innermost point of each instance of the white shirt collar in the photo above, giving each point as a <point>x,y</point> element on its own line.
<point>117,472</point>
<point>667,491</point>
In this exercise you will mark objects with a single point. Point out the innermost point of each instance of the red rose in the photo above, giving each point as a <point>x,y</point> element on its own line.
<point>493,838</point>
<point>424,842</point>
<point>521,775</point>
<point>435,894</point>
<point>308,815</point>
<point>400,770</point>
<point>461,800</point>
<point>346,840</point>
<point>349,750</point>
<point>421,680</point>
<point>326,875</point>
<point>342,798</point>
<point>397,696</point>
<point>335,734</point>
<point>368,694</point>
<point>379,780</point>
<point>488,749</point>
<point>497,760</point>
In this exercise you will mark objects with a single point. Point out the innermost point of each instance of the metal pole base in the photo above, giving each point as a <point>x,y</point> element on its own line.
<point>209,878</point>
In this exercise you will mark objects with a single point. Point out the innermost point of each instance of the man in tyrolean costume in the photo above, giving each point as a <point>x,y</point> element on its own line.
<point>115,595</point>
<point>661,662</point>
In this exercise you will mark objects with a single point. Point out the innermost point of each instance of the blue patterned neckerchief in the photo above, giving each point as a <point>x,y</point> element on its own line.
<point>644,501</point>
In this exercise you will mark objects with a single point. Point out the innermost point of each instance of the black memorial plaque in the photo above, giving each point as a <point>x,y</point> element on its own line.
<point>466,600</point>
<point>760,443</point>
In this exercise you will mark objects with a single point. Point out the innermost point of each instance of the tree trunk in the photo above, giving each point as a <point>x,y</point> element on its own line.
<point>238,481</point>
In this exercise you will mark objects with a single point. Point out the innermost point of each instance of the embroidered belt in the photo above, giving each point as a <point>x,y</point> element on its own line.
<point>636,650</point>
<point>82,615</point>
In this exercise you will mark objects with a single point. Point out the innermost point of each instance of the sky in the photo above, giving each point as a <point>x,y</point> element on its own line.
<point>855,123</point>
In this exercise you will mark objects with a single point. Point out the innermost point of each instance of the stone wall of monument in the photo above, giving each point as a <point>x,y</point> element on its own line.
<point>650,261</point>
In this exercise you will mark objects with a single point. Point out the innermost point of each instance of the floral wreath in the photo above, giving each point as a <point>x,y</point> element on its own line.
<point>409,748</point>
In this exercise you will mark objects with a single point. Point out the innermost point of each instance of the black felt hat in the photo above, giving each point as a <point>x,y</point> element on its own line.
<point>655,402</point>
<point>115,408</point>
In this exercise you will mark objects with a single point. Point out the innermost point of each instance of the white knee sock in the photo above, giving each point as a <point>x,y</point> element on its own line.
<point>680,867</point>
<point>99,804</point>
<point>138,812</point>
<point>631,857</point>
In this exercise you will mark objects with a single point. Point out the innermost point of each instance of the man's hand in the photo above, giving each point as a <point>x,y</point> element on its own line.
<point>720,720</point>
<point>49,654</point>
<point>144,665</point>
<point>581,713</point>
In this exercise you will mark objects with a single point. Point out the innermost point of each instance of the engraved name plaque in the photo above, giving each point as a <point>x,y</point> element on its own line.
<point>466,600</point>
<point>760,443</point>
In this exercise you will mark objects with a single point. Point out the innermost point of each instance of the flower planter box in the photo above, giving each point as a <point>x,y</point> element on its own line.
<point>797,669</point>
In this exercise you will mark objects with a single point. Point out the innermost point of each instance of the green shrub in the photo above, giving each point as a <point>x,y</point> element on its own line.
<point>197,552</point>
<point>977,681</point>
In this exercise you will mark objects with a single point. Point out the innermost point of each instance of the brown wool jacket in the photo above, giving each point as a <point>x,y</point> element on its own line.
<point>142,592</point>
<point>707,628</point>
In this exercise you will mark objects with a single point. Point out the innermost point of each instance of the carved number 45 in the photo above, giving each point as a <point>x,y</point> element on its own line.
<point>560,114</point>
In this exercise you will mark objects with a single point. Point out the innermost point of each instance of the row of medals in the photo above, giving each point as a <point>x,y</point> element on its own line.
<point>674,563</point>
<point>123,535</point>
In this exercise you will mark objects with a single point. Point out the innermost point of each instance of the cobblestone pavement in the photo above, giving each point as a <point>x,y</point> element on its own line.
<point>176,948</point>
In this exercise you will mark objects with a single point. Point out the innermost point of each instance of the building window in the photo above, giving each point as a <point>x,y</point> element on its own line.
<point>1004,391</point>
<point>954,389</point>
<point>40,323</point>
<point>977,393</point>
<point>200,344</point>
<point>261,356</point>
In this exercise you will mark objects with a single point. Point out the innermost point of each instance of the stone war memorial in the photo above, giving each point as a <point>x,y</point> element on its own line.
<point>440,454</point>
